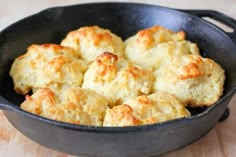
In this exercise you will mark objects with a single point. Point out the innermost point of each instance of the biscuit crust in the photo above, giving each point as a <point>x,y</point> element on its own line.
<point>74,105</point>
<point>194,80</point>
<point>94,78</point>
<point>92,41</point>
<point>153,47</point>
<point>116,79</point>
<point>47,65</point>
<point>146,109</point>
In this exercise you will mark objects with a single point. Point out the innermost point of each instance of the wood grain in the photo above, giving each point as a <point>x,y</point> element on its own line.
<point>219,142</point>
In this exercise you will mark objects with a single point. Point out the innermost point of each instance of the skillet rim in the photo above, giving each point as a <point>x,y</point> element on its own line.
<point>126,129</point>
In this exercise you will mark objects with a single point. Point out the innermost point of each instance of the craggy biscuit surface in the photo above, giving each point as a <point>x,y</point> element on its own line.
<point>45,65</point>
<point>93,78</point>
<point>146,109</point>
<point>91,41</point>
<point>152,47</point>
<point>74,105</point>
<point>194,80</point>
<point>116,79</point>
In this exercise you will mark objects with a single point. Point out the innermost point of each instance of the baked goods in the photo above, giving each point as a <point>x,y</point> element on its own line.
<point>92,41</point>
<point>74,105</point>
<point>89,81</point>
<point>146,109</point>
<point>116,79</point>
<point>152,47</point>
<point>194,80</point>
<point>47,65</point>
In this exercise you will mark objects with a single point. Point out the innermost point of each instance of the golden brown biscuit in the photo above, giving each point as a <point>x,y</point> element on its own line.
<point>152,47</point>
<point>116,79</point>
<point>152,36</point>
<point>74,105</point>
<point>121,115</point>
<point>154,108</point>
<point>91,41</point>
<point>45,65</point>
<point>194,80</point>
<point>55,73</point>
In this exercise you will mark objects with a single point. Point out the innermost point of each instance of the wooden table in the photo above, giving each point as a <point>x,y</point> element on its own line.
<point>219,142</point>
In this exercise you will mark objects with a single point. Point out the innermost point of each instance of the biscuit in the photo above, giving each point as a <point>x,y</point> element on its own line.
<point>154,108</point>
<point>155,46</point>
<point>91,41</point>
<point>116,79</point>
<point>74,105</point>
<point>93,78</point>
<point>194,80</point>
<point>45,65</point>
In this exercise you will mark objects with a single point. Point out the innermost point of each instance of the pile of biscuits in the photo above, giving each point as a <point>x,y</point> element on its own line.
<point>94,78</point>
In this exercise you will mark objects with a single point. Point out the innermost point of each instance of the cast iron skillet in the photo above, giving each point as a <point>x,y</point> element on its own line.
<point>124,19</point>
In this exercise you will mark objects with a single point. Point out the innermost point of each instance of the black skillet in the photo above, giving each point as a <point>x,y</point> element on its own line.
<point>124,19</point>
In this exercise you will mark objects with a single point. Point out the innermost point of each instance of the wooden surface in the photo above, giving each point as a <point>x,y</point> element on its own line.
<point>219,142</point>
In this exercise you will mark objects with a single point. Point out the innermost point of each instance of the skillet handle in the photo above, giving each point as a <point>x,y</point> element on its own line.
<point>225,115</point>
<point>218,16</point>
<point>6,105</point>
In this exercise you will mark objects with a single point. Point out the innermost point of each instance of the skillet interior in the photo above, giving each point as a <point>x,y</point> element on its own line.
<point>51,26</point>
